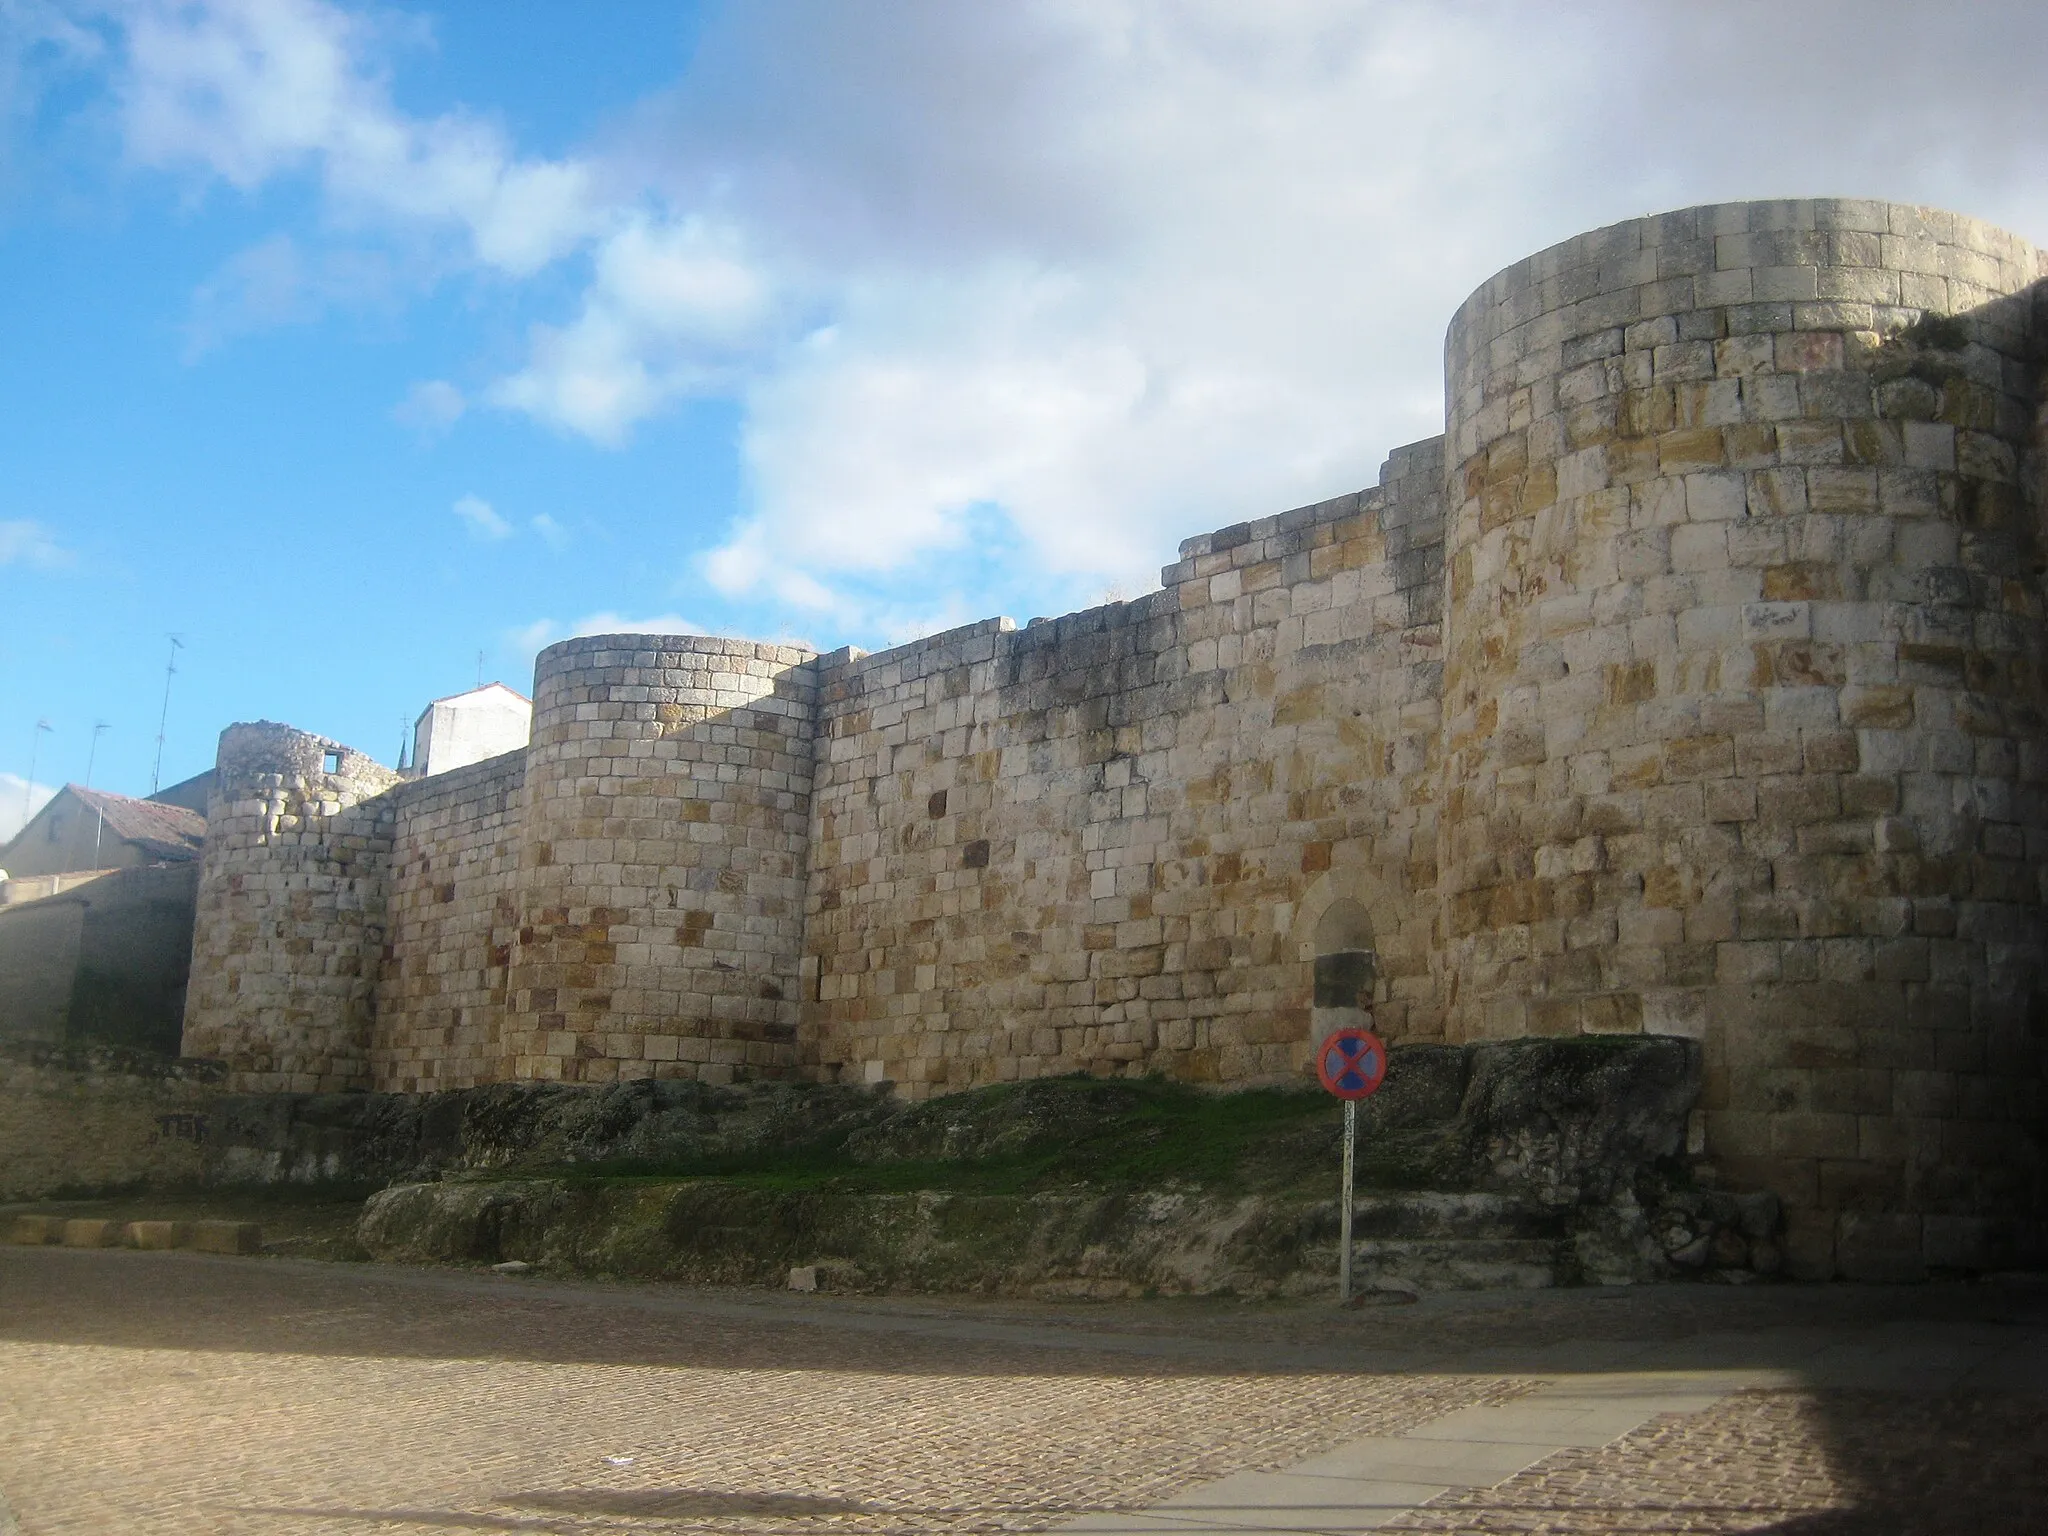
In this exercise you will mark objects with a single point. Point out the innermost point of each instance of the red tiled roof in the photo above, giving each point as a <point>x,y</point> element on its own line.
<point>166,831</point>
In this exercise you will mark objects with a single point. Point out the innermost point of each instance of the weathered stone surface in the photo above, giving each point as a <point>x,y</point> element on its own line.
<point>1694,684</point>
<point>292,894</point>
<point>227,1237</point>
<point>160,1234</point>
<point>1563,1122</point>
<point>1517,1163</point>
<point>711,1232</point>
<point>100,1117</point>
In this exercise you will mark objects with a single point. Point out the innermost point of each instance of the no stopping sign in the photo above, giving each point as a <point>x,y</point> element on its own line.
<point>1351,1062</point>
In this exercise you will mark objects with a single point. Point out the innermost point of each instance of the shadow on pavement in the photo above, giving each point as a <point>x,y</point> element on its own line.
<point>1798,1462</point>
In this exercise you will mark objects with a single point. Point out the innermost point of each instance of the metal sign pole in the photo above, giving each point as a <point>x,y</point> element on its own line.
<point>1351,1064</point>
<point>1344,1219</point>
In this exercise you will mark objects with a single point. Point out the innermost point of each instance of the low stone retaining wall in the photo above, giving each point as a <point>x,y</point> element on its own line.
<point>97,1118</point>
<point>1088,1244</point>
<point>1584,1146</point>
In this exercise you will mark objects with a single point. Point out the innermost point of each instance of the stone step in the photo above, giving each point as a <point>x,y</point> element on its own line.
<point>1457,1264</point>
<point>1451,1214</point>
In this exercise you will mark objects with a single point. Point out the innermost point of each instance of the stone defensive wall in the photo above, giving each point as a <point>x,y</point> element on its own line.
<point>1117,841</point>
<point>1691,684</point>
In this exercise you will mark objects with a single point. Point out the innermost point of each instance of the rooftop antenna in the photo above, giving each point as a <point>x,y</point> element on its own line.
<point>99,831</point>
<point>156,774</point>
<point>98,726</point>
<point>28,793</point>
<point>479,669</point>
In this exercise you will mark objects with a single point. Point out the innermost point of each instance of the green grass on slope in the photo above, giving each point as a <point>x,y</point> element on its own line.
<point>1053,1134</point>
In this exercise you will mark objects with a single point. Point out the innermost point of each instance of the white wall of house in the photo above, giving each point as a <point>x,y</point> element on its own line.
<point>469,727</point>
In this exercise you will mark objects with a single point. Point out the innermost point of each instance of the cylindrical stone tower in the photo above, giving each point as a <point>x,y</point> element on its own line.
<point>662,874</point>
<point>290,928</point>
<point>1743,695</point>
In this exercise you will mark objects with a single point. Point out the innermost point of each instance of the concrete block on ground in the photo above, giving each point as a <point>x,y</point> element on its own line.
<point>227,1237</point>
<point>35,1230</point>
<point>94,1232</point>
<point>159,1234</point>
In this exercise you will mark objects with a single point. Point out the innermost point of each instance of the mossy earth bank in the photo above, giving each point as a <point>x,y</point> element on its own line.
<point>1521,1163</point>
<point>1511,1163</point>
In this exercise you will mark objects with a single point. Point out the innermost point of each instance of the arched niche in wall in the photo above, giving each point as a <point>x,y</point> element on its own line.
<point>1346,967</point>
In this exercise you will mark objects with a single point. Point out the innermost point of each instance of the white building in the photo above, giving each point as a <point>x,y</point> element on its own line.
<point>466,728</point>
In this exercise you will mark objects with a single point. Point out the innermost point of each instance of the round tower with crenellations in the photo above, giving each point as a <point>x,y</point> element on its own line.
<point>668,790</point>
<point>1743,694</point>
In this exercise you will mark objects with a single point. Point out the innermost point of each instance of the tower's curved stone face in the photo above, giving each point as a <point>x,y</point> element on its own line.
<point>1743,676</point>
<point>291,911</point>
<point>661,892</point>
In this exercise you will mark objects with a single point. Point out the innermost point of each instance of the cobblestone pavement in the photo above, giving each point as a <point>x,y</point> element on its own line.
<point>149,1393</point>
<point>1811,1463</point>
<point>173,1392</point>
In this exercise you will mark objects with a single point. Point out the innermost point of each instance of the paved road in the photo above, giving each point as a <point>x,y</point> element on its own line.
<point>174,1392</point>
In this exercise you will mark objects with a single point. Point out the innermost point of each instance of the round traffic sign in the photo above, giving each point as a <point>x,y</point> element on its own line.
<point>1351,1063</point>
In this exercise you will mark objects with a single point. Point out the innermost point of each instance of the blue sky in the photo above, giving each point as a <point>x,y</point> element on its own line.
<point>349,342</point>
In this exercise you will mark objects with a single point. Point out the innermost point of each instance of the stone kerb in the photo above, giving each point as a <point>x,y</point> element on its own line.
<point>290,922</point>
<point>662,860</point>
<point>1743,715</point>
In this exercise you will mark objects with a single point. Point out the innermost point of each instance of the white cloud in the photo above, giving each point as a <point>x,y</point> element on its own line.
<point>541,633</point>
<point>528,639</point>
<point>482,519</point>
<point>278,281</point>
<point>430,407</point>
<point>1126,270</point>
<point>485,522</point>
<point>15,793</point>
<point>40,45</point>
<point>671,305</point>
<point>245,90</point>
<point>26,542</point>
<point>1204,330</point>
<point>1102,272</point>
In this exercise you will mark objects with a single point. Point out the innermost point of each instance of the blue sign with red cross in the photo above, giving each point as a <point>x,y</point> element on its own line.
<point>1351,1063</point>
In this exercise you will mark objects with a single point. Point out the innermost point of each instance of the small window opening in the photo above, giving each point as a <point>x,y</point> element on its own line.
<point>56,828</point>
<point>330,762</point>
<point>1344,979</point>
<point>1345,966</point>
